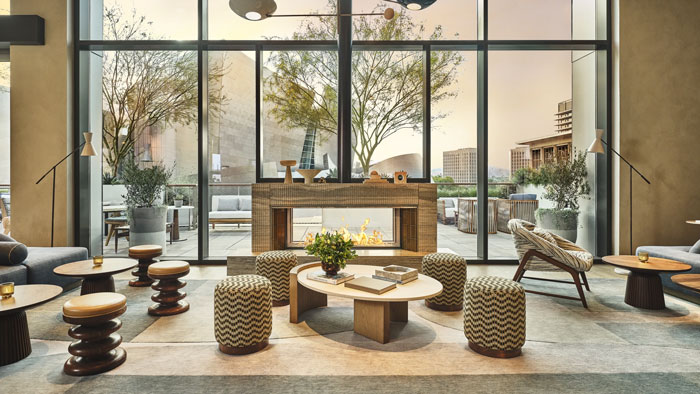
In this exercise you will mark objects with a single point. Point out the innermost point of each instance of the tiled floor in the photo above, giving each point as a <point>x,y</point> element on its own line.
<point>231,240</point>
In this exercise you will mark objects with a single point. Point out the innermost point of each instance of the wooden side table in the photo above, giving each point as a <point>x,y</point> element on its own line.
<point>96,279</point>
<point>14,331</point>
<point>688,281</point>
<point>644,289</point>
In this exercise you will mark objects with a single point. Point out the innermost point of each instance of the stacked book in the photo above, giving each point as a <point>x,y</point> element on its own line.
<point>321,276</point>
<point>396,274</point>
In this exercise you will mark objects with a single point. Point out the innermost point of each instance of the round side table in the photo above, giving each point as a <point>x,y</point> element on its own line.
<point>96,278</point>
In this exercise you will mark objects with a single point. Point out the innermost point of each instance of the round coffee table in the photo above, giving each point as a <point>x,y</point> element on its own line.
<point>644,289</point>
<point>14,331</point>
<point>689,281</point>
<point>96,279</point>
<point>373,312</point>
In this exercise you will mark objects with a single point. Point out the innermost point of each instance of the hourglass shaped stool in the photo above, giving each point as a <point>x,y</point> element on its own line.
<point>95,327</point>
<point>146,255</point>
<point>169,301</point>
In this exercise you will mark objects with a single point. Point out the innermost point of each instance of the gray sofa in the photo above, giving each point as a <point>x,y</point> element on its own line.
<point>38,267</point>
<point>678,253</point>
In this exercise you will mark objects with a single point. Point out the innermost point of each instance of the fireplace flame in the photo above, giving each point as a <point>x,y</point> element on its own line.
<point>360,238</point>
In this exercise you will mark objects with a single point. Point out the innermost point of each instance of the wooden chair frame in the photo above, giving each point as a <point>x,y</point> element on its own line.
<point>520,274</point>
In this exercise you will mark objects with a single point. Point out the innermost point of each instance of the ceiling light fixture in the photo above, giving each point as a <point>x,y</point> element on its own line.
<point>413,5</point>
<point>256,10</point>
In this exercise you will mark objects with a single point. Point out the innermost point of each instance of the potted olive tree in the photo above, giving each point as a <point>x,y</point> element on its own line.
<point>565,182</point>
<point>145,211</point>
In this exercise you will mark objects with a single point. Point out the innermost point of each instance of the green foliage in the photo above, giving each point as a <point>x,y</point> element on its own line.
<point>144,185</point>
<point>528,176</point>
<point>442,179</point>
<point>470,191</point>
<point>566,181</point>
<point>108,179</point>
<point>332,248</point>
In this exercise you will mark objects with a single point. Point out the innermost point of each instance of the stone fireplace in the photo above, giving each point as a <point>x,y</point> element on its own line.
<point>401,219</point>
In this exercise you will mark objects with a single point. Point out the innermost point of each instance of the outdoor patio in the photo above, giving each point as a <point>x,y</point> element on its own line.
<point>230,240</point>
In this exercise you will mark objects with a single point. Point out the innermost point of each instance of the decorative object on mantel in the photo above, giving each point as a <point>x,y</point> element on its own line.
<point>400,177</point>
<point>374,177</point>
<point>333,249</point>
<point>396,274</point>
<point>322,180</point>
<point>288,174</point>
<point>321,276</point>
<point>308,174</point>
<point>370,285</point>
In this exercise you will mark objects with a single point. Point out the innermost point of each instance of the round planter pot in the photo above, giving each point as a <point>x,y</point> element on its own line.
<point>330,269</point>
<point>563,223</point>
<point>147,226</point>
<point>178,203</point>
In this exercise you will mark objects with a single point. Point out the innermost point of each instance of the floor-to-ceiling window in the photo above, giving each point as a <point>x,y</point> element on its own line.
<point>462,93</point>
<point>4,127</point>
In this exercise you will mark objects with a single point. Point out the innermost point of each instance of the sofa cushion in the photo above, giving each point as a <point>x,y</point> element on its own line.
<point>12,253</point>
<point>41,261</point>
<point>230,215</point>
<point>226,203</point>
<point>6,238</point>
<point>245,203</point>
<point>449,203</point>
<point>450,212</point>
<point>695,248</point>
<point>14,273</point>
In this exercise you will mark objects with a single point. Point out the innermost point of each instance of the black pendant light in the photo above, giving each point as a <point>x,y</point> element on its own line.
<point>413,5</point>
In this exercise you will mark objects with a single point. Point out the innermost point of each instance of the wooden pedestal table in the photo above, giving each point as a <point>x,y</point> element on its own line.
<point>96,278</point>
<point>373,313</point>
<point>644,289</point>
<point>14,331</point>
<point>689,281</point>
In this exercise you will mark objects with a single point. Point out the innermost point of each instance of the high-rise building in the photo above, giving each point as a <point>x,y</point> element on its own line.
<point>460,165</point>
<point>519,158</point>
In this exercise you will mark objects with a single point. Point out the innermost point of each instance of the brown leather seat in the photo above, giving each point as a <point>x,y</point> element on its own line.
<point>93,305</point>
<point>168,268</point>
<point>145,251</point>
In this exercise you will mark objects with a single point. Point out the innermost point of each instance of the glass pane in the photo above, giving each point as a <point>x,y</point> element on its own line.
<point>4,130</point>
<point>140,20</point>
<point>149,106</point>
<point>539,123</point>
<point>542,19</point>
<point>224,24</point>
<point>300,112</point>
<point>231,151</point>
<point>443,20</point>
<point>453,149</point>
<point>387,113</point>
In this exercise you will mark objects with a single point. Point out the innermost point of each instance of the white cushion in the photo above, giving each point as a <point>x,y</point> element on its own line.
<point>230,215</point>
<point>450,212</point>
<point>224,203</point>
<point>245,203</point>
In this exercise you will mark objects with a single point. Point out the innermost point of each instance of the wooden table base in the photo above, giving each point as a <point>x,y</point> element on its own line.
<point>14,338</point>
<point>97,347</point>
<point>97,284</point>
<point>494,352</point>
<point>373,319</point>
<point>243,349</point>
<point>644,290</point>
<point>141,274</point>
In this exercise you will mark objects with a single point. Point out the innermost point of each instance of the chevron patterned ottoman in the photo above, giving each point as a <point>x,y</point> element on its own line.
<point>243,314</point>
<point>450,270</point>
<point>275,266</point>
<point>494,316</point>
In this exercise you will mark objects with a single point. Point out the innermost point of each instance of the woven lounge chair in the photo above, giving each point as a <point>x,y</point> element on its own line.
<point>540,250</point>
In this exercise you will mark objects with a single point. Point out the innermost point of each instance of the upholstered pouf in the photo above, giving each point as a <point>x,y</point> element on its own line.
<point>146,255</point>
<point>97,347</point>
<point>275,266</point>
<point>243,313</point>
<point>494,316</point>
<point>450,270</point>
<point>169,301</point>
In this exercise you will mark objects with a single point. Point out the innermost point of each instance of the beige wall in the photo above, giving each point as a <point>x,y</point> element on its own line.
<point>660,119</point>
<point>41,126</point>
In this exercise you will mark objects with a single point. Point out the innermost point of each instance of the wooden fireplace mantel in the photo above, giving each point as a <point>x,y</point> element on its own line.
<point>417,203</point>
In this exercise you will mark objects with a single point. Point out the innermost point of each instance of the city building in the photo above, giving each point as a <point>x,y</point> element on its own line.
<point>460,165</point>
<point>550,147</point>
<point>519,158</point>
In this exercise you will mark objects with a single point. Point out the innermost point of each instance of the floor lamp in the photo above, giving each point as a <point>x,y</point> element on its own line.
<point>88,150</point>
<point>597,147</point>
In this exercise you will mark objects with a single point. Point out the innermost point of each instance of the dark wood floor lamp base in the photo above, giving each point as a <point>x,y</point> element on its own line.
<point>520,274</point>
<point>169,301</point>
<point>644,290</point>
<point>443,308</point>
<point>97,347</point>
<point>14,338</point>
<point>494,352</point>
<point>243,349</point>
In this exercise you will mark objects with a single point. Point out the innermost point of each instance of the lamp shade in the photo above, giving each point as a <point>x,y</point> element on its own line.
<point>415,5</point>
<point>88,149</point>
<point>597,145</point>
<point>253,10</point>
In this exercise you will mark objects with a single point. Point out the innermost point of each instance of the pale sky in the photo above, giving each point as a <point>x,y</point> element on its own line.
<point>524,87</point>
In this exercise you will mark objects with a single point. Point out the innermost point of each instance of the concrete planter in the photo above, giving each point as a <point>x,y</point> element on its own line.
<point>147,226</point>
<point>562,222</point>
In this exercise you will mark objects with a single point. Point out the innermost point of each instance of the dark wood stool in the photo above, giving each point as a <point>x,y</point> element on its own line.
<point>146,255</point>
<point>97,347</point>
<point>169,301</point>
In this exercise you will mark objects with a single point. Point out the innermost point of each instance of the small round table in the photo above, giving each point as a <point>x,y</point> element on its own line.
<point>373,312</point>
<point>14,331</point>
<point>689,281</point>
<point>644,289</point>
<point>96,279</point>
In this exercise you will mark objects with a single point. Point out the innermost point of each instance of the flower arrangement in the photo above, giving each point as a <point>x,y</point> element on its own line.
<point>333,249</point>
